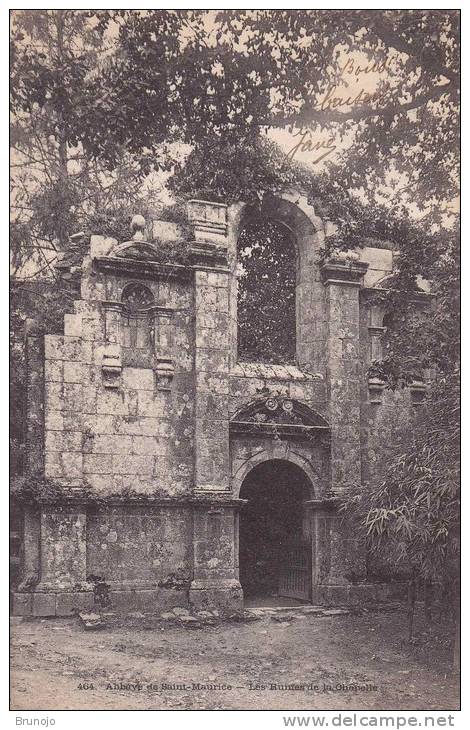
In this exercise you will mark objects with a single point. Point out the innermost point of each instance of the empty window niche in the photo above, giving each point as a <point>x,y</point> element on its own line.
<point>266,276</point>
<point>137,320</point>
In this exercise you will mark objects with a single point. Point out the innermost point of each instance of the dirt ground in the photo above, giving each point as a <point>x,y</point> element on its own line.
<point>348,662</point>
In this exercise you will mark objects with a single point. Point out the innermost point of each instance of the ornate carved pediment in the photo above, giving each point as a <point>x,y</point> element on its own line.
<point>137,250</point>
<point>278,414</point>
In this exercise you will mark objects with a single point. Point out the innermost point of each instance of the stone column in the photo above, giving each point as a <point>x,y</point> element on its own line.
<point>342,280</point>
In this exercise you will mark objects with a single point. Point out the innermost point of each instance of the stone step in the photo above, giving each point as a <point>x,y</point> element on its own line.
<point>91,621</point>
<point>273,610</point>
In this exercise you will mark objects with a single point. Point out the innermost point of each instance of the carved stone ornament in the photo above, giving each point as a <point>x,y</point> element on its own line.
<point>137,297</point>
<point>278,414</point>
<point>137,248</point>
<point>111,368</point>
<point>376,389</point>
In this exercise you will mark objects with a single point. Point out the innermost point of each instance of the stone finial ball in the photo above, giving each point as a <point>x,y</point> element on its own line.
<point>137,223</point>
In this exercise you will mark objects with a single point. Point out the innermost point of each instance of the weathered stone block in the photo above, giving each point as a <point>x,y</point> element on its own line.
<point>44,604</point>
<point>54,420</point>
<point>212,383</point>
<point>97,464</point>
<point>111,444</point>
<point>104,483</point>
<point>210,405</point>
<point>111,403</point>
<point>150,405</point>
<point>68,604</point>
<point>216,339</point>
<point>63,441</point>
<point>73,325</point>
<point>212,361</point>
<point>54,371</point>
<point>72,464</point>
<point>206,298</point>
<point>148,600</point>
<point>138,379</point>
<point>337,594</point>
<point>99,424</point>
<point>22,604</point>
<point>73,372</point>
<point>89,398</point>
<point>206,594</point>
<point>148,445</point>
<point>222,300</point>
<point>320,594</point>
<point>129,464</point>
<point>92,328</point>
<point>72,396</point>
<point>62,348</point>
<point>53,465</point>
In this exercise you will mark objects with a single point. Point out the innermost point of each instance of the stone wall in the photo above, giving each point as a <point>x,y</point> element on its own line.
<point>138,546</point>
<point>134,437</point>
<point>140,419</point>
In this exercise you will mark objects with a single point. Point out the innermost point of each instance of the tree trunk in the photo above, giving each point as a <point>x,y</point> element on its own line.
<point>62,234</point>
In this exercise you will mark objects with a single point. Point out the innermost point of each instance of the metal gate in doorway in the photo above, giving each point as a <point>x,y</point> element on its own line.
<point>295,576</point>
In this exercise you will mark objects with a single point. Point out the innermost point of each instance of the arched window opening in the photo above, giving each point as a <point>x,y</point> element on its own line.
<point>136,320</point>
<point>266,293</point>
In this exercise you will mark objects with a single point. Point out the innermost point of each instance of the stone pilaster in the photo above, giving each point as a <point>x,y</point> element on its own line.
<point>215,554</point>
<point>342,281</point>
<point>163,344</point>
<point>215,528</point>
<point>337,559</point>
<point>340,560</point>
<point>212,346</point>
<point>63,547</point>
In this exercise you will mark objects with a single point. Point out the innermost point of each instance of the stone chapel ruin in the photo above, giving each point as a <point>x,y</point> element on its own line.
<point>179,473</point>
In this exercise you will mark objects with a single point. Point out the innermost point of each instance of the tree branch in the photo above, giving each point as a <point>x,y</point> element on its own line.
<point>311,113</point>
<point>389,36</point>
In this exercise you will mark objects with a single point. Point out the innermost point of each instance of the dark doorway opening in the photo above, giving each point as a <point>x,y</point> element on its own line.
<point>271,523</point>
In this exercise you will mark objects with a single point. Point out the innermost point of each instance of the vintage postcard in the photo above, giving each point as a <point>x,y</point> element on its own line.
<point>235,361</point>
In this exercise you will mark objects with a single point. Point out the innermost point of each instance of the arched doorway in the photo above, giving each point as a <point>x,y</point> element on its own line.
<point>274,536</point>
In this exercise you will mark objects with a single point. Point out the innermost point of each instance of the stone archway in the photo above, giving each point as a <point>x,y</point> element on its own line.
<point>275,534</point>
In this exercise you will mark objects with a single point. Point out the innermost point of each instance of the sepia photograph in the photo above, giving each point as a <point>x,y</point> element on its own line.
<point>235,362</point>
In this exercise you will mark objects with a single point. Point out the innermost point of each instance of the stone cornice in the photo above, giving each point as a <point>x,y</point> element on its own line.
<point>369,292</point>
<point>205,254</point>
<point>330,503</point>
<point>143,269</point>
<point>80,498</point>
<point>343,273</point>
<point>286,430</point>
<point>207,216</point>
<point>200,498</point>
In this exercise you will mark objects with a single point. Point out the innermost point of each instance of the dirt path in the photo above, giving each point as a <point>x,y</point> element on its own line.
<point>53,660</point>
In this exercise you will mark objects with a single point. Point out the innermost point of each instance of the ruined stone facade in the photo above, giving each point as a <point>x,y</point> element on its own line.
<point>143,425</point>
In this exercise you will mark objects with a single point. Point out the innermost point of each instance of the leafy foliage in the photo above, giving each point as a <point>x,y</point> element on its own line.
<point>266,322</point>
<point>57,189</point>
<point>410,518</point>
